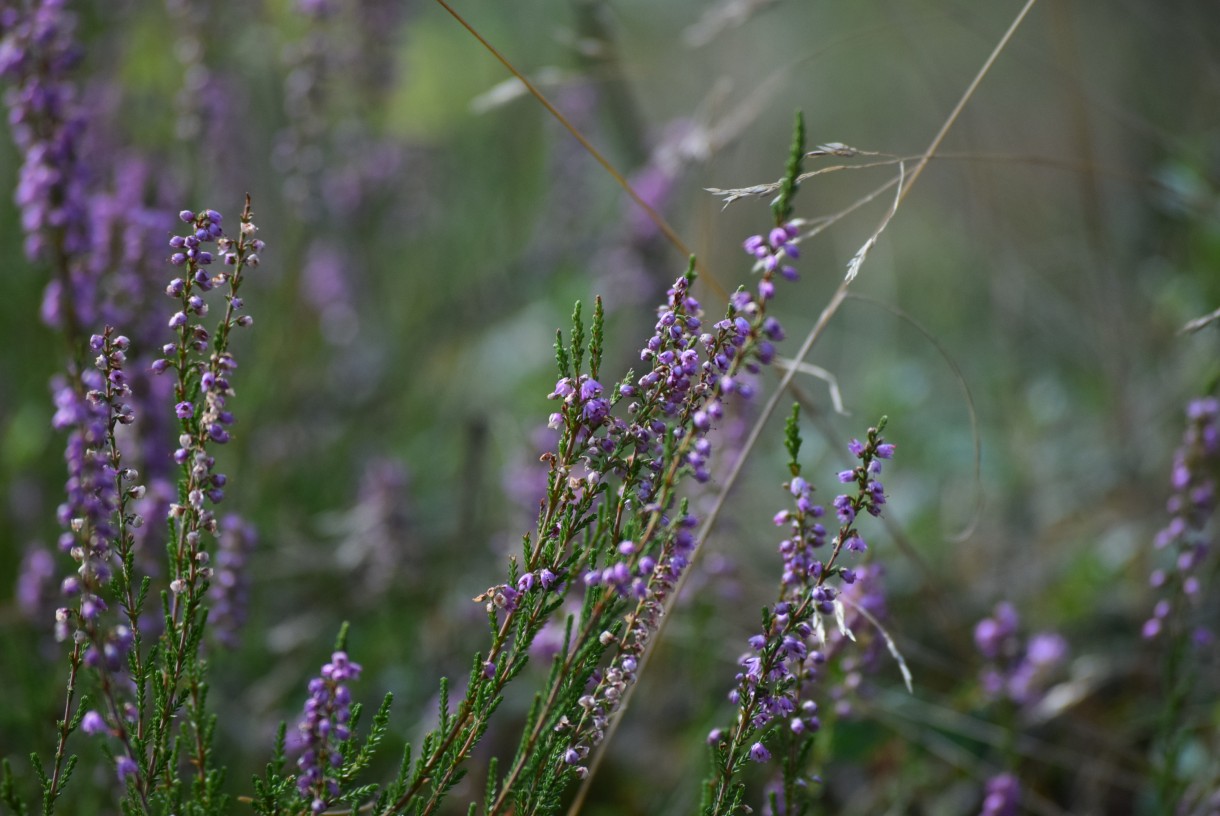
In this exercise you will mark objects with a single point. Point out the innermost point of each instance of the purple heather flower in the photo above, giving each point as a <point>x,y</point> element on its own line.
<point>769,251</point>
<point>326,288</point>
<point>1046,649</point>
<point>772,685</point>
<point>229,591</point>
<point>1001,796</point>
<point>35,582</point>
<point>759,752</point>
<point>996,635</point>
<point>92,723</point>
<point>125,766</point>
<point>844,509</point>
<point>1193,477</point>
<point>1019,671</point>
<point>323,727</point>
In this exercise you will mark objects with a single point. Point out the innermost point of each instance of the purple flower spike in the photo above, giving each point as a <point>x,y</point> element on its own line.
<point>323,727</point>
<point>229,591</point>
<point>1193,477</point>
<point>784,662</point>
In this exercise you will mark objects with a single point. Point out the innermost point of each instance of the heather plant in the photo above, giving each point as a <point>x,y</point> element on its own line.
<point>185,536</point>
<point>1181,615</point>
<point>777,709</point>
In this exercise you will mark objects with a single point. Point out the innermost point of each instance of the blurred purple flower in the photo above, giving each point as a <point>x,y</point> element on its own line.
<point>1001,796</point>
<point>37,55</point>
<point>1193,476</point>
<point>229,592</point>
<point>996,635</point>
<point>1016,670</point>
<point>324,284</point>
<point>35,582</point>
<point>376,533</point>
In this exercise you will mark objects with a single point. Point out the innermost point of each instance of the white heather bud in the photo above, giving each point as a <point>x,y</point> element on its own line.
<point>606,638</point>
<point>206,573</point>
<point>77,524</point>
<point>177,586</point>
<point>202,556</point>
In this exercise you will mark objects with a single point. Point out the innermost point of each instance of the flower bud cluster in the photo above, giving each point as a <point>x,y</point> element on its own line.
<point>870,493</point>
<point>802,565</point>
<point>324,727</point>
<point>99,490</point>
<point>790,654</point>
<point>87,511</point>
<point>203,384</point>
<point>1196,468</point>
<point>109,645</point>
<point>1017,670</point>
<point>771,251</point>
<point>651,582</point>
<point>100,494</point>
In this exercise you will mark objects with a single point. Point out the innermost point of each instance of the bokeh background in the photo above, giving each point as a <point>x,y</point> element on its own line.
<point>429,227</point>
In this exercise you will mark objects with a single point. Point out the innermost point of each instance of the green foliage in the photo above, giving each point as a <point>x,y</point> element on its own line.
<point>781,207</point>
<point>792,439</point>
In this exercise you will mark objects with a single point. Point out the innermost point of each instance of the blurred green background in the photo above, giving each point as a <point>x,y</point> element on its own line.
<point>428,228</point>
